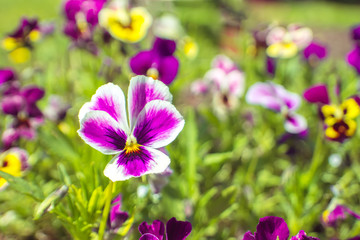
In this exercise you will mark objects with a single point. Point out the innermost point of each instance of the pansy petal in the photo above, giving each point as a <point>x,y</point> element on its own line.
<point>168,69</point>
<point>148,236</point>
<point>317,94</point>
<point>142,62</point>
<point>291,100</point>
<point>110,99</point>
<point>102,132</point>
<point>295,123</point>
<point>158,124</point>
<point>275,35</point>
<point>142,90</point>
<point>177,230</point>
<point>224,63</point>
<point>236,81</point>
<point>272,228</point>
<point>215,77</point>
<point>265,95</point>
<point>157,228</point>
<point>302,236</point>
<point>135,164</point>
<point>32,94</point>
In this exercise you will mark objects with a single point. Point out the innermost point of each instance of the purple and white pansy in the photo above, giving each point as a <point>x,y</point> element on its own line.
<point>153,123</point>
<point>275,97</point>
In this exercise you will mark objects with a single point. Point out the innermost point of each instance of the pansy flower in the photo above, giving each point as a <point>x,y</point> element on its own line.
<point>158,62</point>
<point>116,217</point>
<point>314,52</point>
<point>287,42</point>
<point>22,105</point>
<point>275,97</point>
<point>13,162</point>
<point>175,230</point>
<point>7,75</point>
<point>153,123</point>
<point>274,228</point>
<point>20,43</point>
<point>338,212</point>
<point>339,119</point>
<point>225,81</point>
<point>82,18</point>
<point>124,24</point>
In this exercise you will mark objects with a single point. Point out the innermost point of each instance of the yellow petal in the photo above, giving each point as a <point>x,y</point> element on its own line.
<point>20,55</point>
<point>282,50</point>
<point>9,43</point>
<point>351,108</point>
<point>331,133</point>
<point>352,128</point>
<point>34,35</point>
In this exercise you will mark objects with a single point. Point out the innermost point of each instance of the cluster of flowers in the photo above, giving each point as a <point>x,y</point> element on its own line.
<point>118,20</point>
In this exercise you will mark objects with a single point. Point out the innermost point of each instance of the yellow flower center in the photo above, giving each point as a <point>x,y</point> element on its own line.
<point>153,72</point>
<point>131,145</point>
<point>325,216</point>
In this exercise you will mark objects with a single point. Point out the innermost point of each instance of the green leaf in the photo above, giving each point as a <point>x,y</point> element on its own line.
<point>217,158</point>
<point>50,201</point>
<point>23,186</point>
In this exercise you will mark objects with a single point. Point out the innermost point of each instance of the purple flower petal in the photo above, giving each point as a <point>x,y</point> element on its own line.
<point>199,87</point>
<point>157,229</point>
<point>158,124</point>
<point>142,62</point>
<point>135,164</point>
<point>315,49</point>
<point>224,63</point>
<point>248,236</point>
<point>272,228</point>
<point>7,75</point>
<point>272,96</point>
<point>353,58</point>
<point>25,27</point>
<point>317,94</point>
<point>164,47</point>
<point>270,65</point>
<point>295,123</point>
<point>177,230</point>
<point>302,236</point>
<point>148,236</point>
<point>12,104</point>
<point>168,69</point>
<point>356,33</point>
<point>110,99</point>
<point>143,90</point>
<point>116,217</point>
<point>102,132</point>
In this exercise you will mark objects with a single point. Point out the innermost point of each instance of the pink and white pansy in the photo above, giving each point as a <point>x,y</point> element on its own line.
<point>225,81</point>
<point>153,123</point>
<point>275,97</point>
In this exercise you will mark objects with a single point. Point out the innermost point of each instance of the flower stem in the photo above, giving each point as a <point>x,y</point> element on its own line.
<point>108,198</point>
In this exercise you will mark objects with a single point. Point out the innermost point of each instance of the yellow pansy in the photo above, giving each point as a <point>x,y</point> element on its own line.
<point>282,50</point>
<point>128,26</point>
<point>10,163</point>
<point>340,119</point>
<point>9,43</point>
<point>34,35</point>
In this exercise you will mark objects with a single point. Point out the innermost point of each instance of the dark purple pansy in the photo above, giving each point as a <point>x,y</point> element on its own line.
<point>25,28</point>
<point>158,62</point>
<point>274,228</point>
<point>355,33</point>
<point>316,50</point>
<point>22,101</point>
<point>7,75</point>
<point>116,217</point>
<point>175,230</point>
<point>269,228</point>
<point>353,58</point>
<point>331,217</point>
